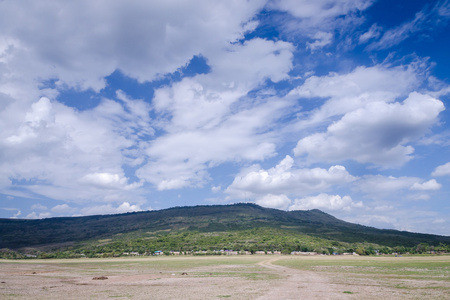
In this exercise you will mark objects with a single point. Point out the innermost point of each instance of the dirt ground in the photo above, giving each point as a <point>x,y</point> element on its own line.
<point>202,278</point>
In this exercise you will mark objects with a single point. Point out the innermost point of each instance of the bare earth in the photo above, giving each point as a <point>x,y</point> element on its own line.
<point>256,277</point>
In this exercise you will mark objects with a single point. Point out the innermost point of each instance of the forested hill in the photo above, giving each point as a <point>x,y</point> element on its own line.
<point>19,233</point>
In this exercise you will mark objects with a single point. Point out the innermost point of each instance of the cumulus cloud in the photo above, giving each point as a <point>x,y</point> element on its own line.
<point>430,185</point>
<point>384,185</point>
<point>284,178</point>
<point>274,201</point>
<point>318,20</point>
<point>321,39</point>
<point>383,221</point>
<point>401,217</point>
<point>216,189</point>
<point>52,139</point>
<point>34,215</point>
<point>234,72</point>
<point>142,39</point>
<point>110,209</point>
<point>325,202</point>
<point>38,206</point>
<point>39,118</point>
<point>63,209</point>
<point>240,136</point>
<point>233,129</point>
<point>347,92</point>
<point>378,133</point>
<point>390,188</point>
<point>442,170</point>
<point>236,112</point>
<point>108,181</point>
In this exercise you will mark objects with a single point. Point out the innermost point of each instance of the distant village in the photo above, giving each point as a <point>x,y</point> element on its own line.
<point>227,252</point>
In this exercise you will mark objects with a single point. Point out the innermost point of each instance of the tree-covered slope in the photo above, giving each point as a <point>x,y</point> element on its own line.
<point>18,233</point>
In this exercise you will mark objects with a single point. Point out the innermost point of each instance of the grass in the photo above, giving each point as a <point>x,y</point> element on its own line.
<point>257,275</point>
<point>425,276</point>
<point>436,266</point>
<point>413,273</point>
<point>164,262</point>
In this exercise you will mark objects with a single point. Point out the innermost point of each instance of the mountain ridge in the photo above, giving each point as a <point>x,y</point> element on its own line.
<point>202,219</point>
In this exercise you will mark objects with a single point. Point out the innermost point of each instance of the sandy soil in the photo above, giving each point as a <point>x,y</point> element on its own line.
<point>139,279</point>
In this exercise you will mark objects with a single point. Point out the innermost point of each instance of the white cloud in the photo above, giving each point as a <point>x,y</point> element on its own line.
<point>373,33</point>
<point>382,185</point>
<point>274,201</point>
<point>109,209</point>
<point>40,118</point>
<point>442,170</point>
<point>63,209</point>
<point>245,66</point>
<point>233,114</point>
<point>418,197</point>
<point>235,71</point>
<point>143,39</point>
<point>395,189</point>
<point>216,189</point>
<point>103,180</point>
<point>287,179</point>
<point>52,139</point>
<point>348,92</point>
<point>319,20</point>
<point>209,117</point>
<point>401,217</point>
<point>319,11</point>
<point>38,206</point>
<point>325,202</point>
<point>321,40</point>
<point>383,208</point>
<point>397,35</point>
<point>378,133</point>
<point>384,221</point>
<point>424,20</point>
<point>108,181</point>
<point>439,221</point>
<point>430,185</point>
<point>34,215</point>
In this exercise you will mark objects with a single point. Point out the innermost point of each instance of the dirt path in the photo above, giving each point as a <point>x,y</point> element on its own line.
<point>246,278</point>
<point>297,284</point>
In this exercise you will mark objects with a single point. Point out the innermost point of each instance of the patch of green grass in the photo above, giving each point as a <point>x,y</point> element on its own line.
<point>347,292</point>
<point>385,270</point>
<point>401,286</point>
<point>246,275</point>
<point>384,265</point>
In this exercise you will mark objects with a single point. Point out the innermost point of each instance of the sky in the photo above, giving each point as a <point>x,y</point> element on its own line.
<point>115,106</point>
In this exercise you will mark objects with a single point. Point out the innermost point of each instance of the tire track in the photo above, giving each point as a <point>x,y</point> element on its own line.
<point>300,284</point>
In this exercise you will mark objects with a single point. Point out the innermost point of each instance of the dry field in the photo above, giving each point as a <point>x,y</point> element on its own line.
<point>243,277</point>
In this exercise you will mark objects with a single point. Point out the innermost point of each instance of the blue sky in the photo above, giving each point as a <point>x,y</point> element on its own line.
<point>117,106</point>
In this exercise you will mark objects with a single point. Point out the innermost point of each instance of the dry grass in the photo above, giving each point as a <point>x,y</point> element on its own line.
<point>243,277</point>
